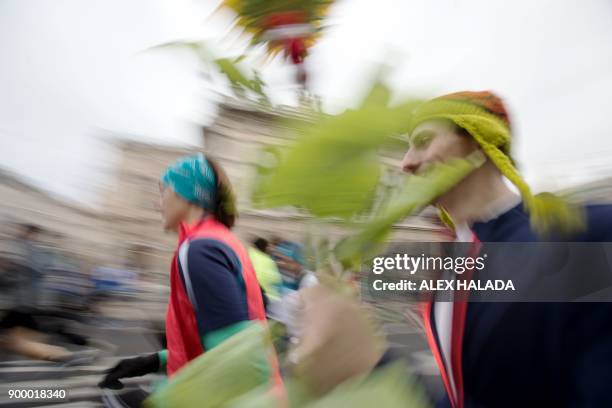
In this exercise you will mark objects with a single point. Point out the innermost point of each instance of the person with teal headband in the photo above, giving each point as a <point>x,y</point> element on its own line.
<point>193,179</point>
<point>292,266</point>
<point>214,291</point>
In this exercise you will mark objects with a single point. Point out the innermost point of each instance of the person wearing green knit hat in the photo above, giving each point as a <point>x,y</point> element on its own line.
<point>484,120</point>
<point>508,354</point>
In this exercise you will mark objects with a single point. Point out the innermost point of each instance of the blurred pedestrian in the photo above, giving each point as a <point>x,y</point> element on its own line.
<point>292,266</point>
<point>20,332</point>
<point>265,268</point>
<point>36,259</point>
<point>213,288</point>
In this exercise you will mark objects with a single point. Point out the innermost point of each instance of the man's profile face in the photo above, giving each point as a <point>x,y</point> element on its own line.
<point>435,141</point>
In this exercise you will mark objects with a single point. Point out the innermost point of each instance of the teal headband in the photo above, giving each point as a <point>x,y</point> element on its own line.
<point>193,178</point>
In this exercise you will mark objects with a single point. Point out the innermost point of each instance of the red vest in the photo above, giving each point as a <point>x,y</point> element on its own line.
<point>458,329</point>
<point>183,337</point>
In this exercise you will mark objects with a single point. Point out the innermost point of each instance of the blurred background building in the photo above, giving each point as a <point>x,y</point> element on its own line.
<point>597,192</point>
<point>69,225</point>
<point>235,138</point>
<point>127,232</point>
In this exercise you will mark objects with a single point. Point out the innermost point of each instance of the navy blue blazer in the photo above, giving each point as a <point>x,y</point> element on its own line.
<point>538,354</point>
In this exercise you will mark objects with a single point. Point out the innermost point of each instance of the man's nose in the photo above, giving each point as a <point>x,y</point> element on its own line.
<point>410,162</point>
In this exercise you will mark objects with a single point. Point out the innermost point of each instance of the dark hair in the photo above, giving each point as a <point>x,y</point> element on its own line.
<point>225,207</point>
<point>261,244</point>
<point>31,228</point>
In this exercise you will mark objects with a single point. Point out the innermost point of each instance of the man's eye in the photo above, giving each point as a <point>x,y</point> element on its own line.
<point>422,140</point>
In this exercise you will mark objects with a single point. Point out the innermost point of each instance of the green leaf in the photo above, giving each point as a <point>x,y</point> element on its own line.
<point>237,77</point>
<point>333,169</point>
<point>231,369</point>
<point>379,94</point>
<point>200,48</point>
<point>227,66</point>
<point>418,192</point>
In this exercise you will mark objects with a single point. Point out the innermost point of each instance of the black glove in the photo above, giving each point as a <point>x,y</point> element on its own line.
<point>130,367</point>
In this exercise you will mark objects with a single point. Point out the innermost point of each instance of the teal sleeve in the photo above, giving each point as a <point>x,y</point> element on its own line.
<point>209,340</point>
<point>216,337</point>
<point>163,359</point>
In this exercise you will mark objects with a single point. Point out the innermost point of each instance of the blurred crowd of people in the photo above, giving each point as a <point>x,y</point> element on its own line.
<point>40,280</point>
<point>47,291</point>
<point>41,290</point>
<point>280,266</point>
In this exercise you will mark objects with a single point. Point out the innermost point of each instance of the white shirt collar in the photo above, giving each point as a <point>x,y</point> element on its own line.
<point>503,204</point>
<point>495,209</point>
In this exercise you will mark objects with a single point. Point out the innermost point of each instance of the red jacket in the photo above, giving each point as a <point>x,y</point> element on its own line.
<point>183,337</point>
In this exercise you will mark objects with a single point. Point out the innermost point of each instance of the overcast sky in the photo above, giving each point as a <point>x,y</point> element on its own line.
<point>73,72</point>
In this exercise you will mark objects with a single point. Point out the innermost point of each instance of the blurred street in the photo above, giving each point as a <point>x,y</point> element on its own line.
<point>110,337</point>
<point>123,332</point>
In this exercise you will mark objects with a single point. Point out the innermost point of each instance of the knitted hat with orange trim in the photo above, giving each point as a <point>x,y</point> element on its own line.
<point>484,116</point>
